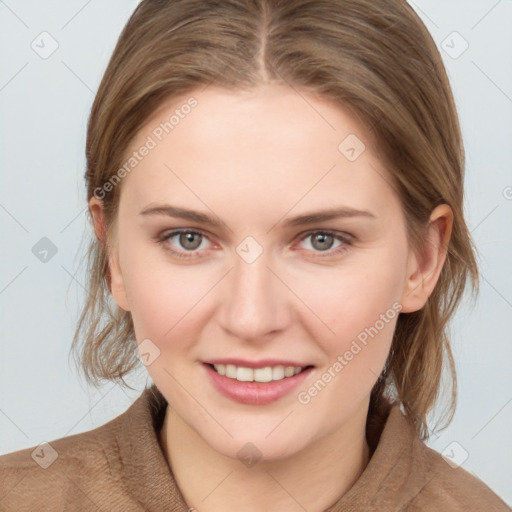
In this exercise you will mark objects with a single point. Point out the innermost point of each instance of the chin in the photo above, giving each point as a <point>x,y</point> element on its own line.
<point>251,452</point>
<point>252,446</point>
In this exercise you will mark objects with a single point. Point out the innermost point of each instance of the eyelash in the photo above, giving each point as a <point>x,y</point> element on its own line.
<point>346,240</point>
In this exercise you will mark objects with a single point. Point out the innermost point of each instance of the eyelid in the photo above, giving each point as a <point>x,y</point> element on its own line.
<point>345,238</point>
<point>163,237</point>
<point>332,232</point>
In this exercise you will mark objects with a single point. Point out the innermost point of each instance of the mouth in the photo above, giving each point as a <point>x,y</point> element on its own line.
<point>258,383</point>
<point>264,374</point>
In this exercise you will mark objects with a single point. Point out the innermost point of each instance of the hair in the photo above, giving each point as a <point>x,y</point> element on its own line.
<point>376,59</point>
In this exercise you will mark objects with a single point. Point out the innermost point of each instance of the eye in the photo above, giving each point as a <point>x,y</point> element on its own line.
<point>189,240</point>
<point>322,241</point>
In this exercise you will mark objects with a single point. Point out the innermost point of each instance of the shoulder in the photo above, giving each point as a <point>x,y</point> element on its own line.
<point>68,449</point>
<point>50,473</point>
<point>450,487</point>
<point>81,472</point>
<point>407,475</point>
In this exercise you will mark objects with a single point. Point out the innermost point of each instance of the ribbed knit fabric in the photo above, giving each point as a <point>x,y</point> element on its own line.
<point>120,466</point>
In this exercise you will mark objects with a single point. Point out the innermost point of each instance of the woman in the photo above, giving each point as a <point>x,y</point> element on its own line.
<point>276,193</point>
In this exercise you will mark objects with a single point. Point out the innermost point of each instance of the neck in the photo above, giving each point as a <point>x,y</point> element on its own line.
<point>313,479</point>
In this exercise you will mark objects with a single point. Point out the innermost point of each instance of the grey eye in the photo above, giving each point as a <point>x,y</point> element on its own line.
<point>324,240</point>
<point>187,240</point>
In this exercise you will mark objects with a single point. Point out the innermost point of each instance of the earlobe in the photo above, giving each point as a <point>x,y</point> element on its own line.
<point>117,287</point>
<point>114,275</point>
<point>424,267</point>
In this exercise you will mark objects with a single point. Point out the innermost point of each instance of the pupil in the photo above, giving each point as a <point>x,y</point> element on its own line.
<point>188,238</point>
<point>323,238</point>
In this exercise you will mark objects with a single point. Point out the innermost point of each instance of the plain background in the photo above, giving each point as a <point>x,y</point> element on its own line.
<point>44,106</point>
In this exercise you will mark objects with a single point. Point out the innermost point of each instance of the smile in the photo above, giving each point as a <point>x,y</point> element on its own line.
<point>266,374</point>
<point>256,386</point>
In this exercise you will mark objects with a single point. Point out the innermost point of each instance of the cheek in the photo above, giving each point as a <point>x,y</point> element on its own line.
<point>359,309</point>
<point>358,305</point>
<point>162,296</point>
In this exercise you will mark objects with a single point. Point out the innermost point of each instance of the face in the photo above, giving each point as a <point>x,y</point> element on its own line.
<point>264,284</point>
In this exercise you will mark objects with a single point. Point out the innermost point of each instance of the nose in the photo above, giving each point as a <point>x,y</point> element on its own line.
<point>256,302</point>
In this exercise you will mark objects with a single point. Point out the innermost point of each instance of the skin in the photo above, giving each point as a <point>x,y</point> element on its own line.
<point>252,160</point>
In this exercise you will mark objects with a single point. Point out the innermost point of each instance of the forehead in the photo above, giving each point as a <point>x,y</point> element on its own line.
<point>270,142</point>
<point>248,116</point>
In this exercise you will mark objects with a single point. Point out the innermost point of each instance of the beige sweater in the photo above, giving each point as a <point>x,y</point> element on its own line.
<point>120,466</point>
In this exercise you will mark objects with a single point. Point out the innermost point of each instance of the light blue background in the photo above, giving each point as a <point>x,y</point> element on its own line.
<point>44,106</point>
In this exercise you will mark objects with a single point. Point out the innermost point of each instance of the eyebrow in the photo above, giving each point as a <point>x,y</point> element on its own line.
<point>308,218</point>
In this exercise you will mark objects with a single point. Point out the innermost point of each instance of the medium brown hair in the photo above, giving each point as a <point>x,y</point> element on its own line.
<point>375,58</point>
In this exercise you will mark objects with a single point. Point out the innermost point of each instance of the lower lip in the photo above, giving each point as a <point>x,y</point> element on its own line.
<point>255,393</point>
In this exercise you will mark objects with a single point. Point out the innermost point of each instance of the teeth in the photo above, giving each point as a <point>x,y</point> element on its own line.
<point>267,374</point>
<point>278,373</point>
<point>244,374</point>
<point>263,374</point>
<point>230,371</point>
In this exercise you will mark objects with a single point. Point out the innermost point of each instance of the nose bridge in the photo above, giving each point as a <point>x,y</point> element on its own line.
<point>253,305</point>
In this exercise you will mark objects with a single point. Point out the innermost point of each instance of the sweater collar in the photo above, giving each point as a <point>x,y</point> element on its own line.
<point>393,477</point>
<point>396,472</point>
<point>144,468</point>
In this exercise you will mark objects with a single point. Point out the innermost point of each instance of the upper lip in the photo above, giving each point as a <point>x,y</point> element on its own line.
<point>256,364</point>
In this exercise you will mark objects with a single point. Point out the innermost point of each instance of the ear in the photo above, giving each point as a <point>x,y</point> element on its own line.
<point>425,265</point>
<point>114,276</point>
